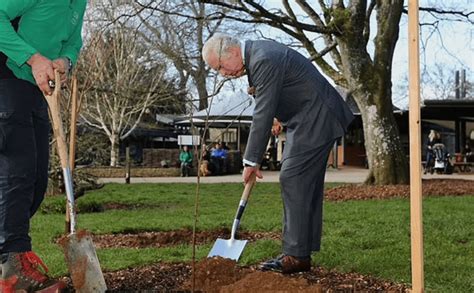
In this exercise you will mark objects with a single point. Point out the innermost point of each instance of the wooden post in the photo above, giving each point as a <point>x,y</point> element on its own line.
<point>127,165</point>
<point>72,142</point>
<point>74,113</point>
<point>416,209</point>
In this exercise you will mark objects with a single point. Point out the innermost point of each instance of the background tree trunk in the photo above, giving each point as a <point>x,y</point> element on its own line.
<point>114,151</point>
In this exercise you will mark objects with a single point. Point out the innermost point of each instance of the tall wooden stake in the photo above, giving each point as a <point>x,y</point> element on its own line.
<point>72,142</point>
<point>74,113</point>
<point>416,209</point>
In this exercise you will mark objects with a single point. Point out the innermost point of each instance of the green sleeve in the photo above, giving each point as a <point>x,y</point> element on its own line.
<point>73,45</point>
<point>10,43</point>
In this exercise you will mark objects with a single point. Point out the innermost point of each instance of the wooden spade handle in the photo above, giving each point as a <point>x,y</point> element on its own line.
<point>58,130</point>
<point>248,187</point>
<point>72,134</point>
<point>57,123</point>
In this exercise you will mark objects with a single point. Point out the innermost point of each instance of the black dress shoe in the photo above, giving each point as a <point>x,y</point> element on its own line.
<point>287,264</point>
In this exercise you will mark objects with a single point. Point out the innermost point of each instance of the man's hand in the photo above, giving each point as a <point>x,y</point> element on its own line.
<point>62,66</point>
<point>248,171</point>
<point>276,127</point>
<point>43,71</point>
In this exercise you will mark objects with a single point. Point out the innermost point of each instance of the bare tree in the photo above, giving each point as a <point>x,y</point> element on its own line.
<point>121,82</point>
<point>177,29</point>
<point>179,38</point>
<point>346,28</point>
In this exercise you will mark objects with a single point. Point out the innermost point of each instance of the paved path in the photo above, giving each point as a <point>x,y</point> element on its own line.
<point>346,174</point>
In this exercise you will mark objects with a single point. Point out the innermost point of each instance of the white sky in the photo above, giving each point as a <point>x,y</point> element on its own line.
<point>455,49</point>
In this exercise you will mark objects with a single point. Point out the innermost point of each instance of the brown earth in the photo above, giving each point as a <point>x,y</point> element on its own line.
<point>171,238</point>
<point>431,187</point>
<point>223,275</point>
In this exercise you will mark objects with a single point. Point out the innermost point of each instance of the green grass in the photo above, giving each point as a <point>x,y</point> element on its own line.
<point>369,237</point>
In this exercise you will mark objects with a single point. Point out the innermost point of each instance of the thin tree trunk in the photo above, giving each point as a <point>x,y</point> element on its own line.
<point>200,79</point>
<point>114,151</point>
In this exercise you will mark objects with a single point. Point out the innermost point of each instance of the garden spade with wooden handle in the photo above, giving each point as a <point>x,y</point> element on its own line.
<point>80,254</point>
<point>233,248</point>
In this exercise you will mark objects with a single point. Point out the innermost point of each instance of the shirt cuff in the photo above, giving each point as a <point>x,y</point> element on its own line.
<point>23,58</point>
<point>249,163</point>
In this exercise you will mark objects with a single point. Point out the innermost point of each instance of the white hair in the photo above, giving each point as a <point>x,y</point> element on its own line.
<point>219,44</point>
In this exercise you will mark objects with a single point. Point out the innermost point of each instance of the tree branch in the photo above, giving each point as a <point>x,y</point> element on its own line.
<point>260,12</point>
<point>388,19</point>
<point>367,21</point>
<point>328,39</point>
<point>439,11</point>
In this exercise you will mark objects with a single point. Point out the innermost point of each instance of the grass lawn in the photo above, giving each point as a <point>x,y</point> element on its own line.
<point>369,237</point>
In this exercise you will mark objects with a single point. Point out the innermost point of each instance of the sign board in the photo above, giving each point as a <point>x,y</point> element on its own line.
<point>189,140</point>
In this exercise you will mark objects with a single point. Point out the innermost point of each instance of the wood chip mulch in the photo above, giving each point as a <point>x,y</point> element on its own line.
<point>430,187</point>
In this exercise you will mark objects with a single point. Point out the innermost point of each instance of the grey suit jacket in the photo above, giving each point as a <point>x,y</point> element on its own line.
<point>290,88</point>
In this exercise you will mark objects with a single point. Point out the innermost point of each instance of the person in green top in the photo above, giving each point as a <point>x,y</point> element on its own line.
<point>36,38</point>
<point>186,159</point>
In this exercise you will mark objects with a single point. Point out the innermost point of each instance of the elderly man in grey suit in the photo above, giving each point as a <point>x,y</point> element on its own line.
<point>290,88</point>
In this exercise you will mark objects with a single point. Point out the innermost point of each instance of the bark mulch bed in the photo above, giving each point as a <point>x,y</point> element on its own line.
<point>172,238</point>
<point>224,275</point>
<point>431,187</point>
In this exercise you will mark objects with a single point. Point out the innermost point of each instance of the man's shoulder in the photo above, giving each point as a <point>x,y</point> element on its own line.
<point>267,51</point>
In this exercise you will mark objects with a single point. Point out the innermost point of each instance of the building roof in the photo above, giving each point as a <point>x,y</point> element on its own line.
<point>225,109</point>
<point>449,109</point>
<point>236,105</point>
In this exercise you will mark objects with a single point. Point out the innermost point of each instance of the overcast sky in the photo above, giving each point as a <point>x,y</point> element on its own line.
<point>452,46</point>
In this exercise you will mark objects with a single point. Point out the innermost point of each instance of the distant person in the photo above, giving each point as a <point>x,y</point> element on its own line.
<point>186,159</point>
<point>468,155</point>
<point>218,158</point>
<point>433,138</point>
<point>276,127</point>
<point>289,87</point>
<point>225,146</point>
<point>205,167</point>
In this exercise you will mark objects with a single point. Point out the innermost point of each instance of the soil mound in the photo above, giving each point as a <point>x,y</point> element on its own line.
<point>214,273</point>
<point>270,282</point>
<point>224,275</point>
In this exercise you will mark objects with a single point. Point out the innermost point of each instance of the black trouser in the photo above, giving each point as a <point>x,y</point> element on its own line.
<point>24,156</point>
<point>185,166</point>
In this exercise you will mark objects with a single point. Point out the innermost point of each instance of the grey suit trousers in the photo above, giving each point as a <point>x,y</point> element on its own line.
<point>302,188</point>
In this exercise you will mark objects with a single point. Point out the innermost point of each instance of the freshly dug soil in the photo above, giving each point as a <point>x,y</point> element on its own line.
<point>431,187</point>
<point>214,273</point>
<point>172,238</point>
<point>224,275</point>
<point>161,277</point>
